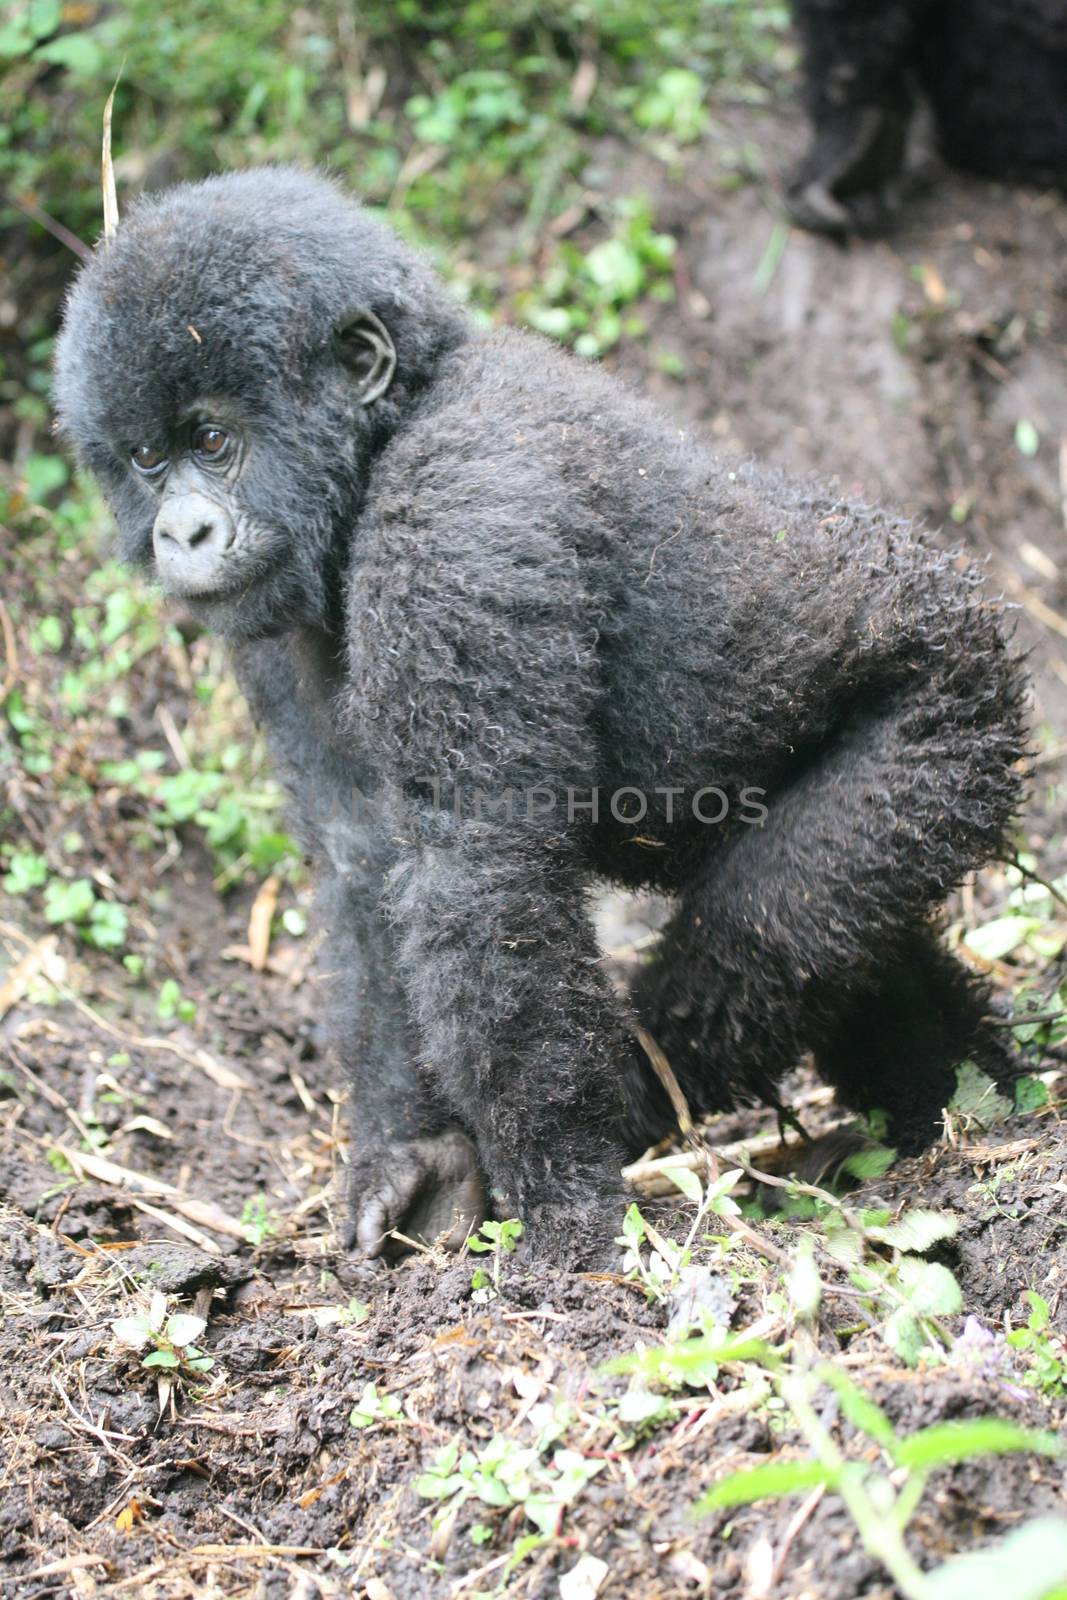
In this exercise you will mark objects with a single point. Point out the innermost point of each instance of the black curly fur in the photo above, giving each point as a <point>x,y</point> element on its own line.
<point>514,575</point>
<point>994,73</point>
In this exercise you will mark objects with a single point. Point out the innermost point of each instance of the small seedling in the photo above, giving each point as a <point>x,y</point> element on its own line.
<point>373,1407</point>
<point>171,1338</point>
<point>1046,1349</point>
<point>26,871</point>
<point>355,1312</point>
<point>172,1004</point>
<point>98,922</point>
<point>504,1475</point>
<point>257,1221</point>
<point>658,1275</point>
<point>498,1239</point>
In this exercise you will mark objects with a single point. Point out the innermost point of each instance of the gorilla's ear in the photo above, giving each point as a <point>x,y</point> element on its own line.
<point>368,352</point>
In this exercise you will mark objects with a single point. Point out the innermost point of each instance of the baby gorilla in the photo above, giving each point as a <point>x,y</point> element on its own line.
<point>511,631</point>
<point>993,71</point>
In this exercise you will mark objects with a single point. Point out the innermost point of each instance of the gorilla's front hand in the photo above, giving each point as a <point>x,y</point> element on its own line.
<point>428,1189</point>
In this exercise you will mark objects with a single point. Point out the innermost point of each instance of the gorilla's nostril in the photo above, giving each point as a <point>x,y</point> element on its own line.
<point>198,535</point>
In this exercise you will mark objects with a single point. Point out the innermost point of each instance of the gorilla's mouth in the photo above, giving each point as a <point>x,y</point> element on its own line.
<point>223,587</point>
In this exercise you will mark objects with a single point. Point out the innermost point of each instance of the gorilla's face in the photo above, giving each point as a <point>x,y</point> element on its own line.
<point>234,507</point>
<point>206,546</point>
<point>223,374</point>
<point>237,502</point>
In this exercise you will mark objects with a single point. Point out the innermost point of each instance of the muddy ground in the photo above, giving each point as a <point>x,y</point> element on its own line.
<point>901,368</point>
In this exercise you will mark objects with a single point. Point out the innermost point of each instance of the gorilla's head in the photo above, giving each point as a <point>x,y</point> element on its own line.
<point>228,366</point>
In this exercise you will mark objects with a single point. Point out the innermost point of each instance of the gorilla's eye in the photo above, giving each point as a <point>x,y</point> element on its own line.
<point>210,442</point>
<point>147,460</point>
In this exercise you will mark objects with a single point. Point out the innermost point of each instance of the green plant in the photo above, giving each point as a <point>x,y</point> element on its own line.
<point>373,1407</point>
<point>902,1295</point>
<point>351,1315</point>
<point>498,1239</point>
<point>172,1338</point>
<point>584,296</point>
<point>26,871</point>
<point>882,1490</point>
<point>1045,1347</point>
<point>99,922</point>
<point>674,103</point>
<point>257,1220</point>
<point>504,1476</point>
<point>658,1273</point>
<point>170,1003</point>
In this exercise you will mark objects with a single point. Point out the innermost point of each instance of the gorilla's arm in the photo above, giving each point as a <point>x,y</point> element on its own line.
<point>410,1169</point>
<point>463,579</point>
<point>856,55</point>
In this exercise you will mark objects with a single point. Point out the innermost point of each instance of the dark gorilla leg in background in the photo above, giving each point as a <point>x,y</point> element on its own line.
<point>859,98</point>
<point>809,933</point>
<point>993,71</point>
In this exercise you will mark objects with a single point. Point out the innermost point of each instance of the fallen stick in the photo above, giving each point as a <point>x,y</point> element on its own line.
<point>88,1164</point>
<point>178,1225</point>
<point>768,1150</point>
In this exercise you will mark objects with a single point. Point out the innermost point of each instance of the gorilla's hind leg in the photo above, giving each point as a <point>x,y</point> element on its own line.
<point>808,932</point>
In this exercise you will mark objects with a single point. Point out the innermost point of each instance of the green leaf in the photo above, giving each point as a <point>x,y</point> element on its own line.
<point>183,1329</point>
<point>773,1479</point>
<point>960,1441</point>
<point>1027,438</point>
<point>997,939</point>
<point>1030,1094</point>
<point>639,1406</point>
<point>720,1192</point>
<point>68,902</point>
<point>1040,1315</point>
<point>432,1486</point>
<point>931,1289</point>
<point>633,1228</point>
<point>1030,1564</point>
<point>48,634</point>
<point>80,53</point>
<point>864,1164</point>
<point>803,1284</point>
<point>15,40</point>
<point>44,474</point>
<point>917,1230</point>
<point>687,1182</point>
<point>860,1409</point>
<point>555,321</point>
<point>508,1234</point>
<point>26,871</point>
<point>108,926</point>
<point>160,1358</point>
<point>977,1098</point>
<point>45,17</point>
<point>368,1409</point>
<point>903,1334</point>
<point>616,269</point>
<point>132,1331</point>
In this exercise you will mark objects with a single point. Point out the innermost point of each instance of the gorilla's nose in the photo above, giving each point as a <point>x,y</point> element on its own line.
<point>191,539</point>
